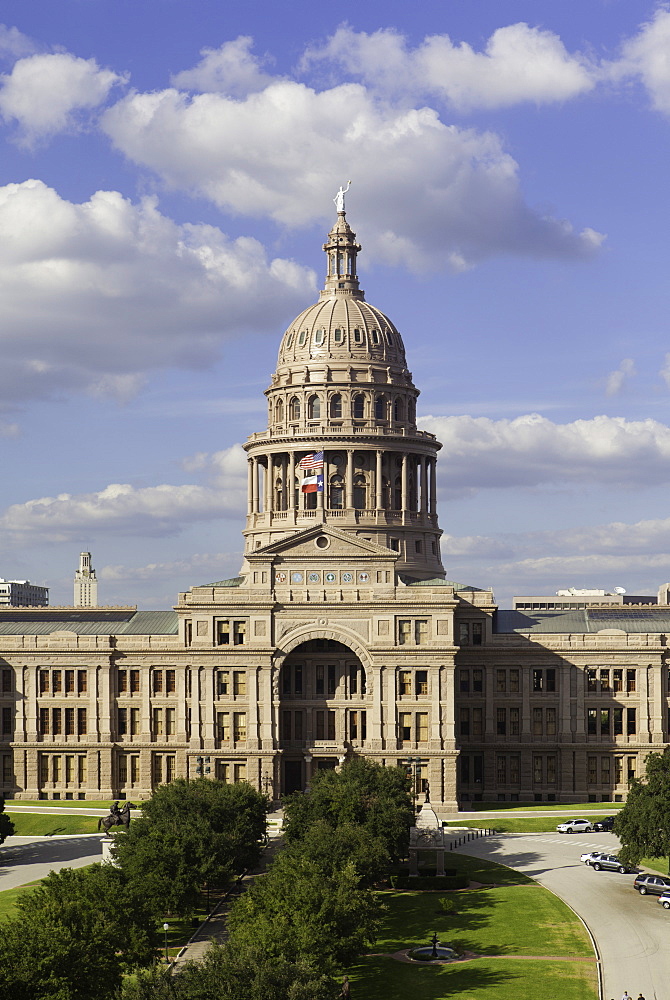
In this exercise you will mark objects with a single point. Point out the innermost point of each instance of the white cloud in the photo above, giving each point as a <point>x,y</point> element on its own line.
<point>532,451</point>
<point>208,564</point>
<point>665,370</point>
<point>616,380</point>
<point>126,510</point>
<point>646,56</point>
<point>519,64</point>
<point>14,44</point>
<point>45,94</point>
<point>95,295</point>
<point>425,195</point>
<point>231,69</point>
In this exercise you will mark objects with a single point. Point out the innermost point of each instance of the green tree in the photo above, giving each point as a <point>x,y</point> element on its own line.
<point>362,793</point>
<point>332,849</point>
<point>191,833</point>
<point>303,911</point>
<point>643,825</point>
<point>75,936</point>
<point>6,825</point>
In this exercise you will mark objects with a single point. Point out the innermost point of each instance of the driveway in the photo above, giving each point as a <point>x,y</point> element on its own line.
<point>631,931</point>
<point>26,859</point>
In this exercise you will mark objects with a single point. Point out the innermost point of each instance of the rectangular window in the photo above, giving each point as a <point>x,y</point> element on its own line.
<point>463,634</point>
<point>331,726</point>
<point>44,681</point>
<point>69,722</point>
<point>551,721</point>
<point>477,633</point>
<point>69,681</point>
<point>478,681</point>
<point>320,726</point>
<point>478,769</point>
<point>286,725</point>
<point>223,726</point>
<point>605,770</point>
<point>223,680</point>
<point>122,681</point>
<point>239,726</point>
<point>421,682</point>
<point>239,633</point>
<point>122,721</point>
<point>618,721</point>
<point>514,681</point>
<point>477,721</point>
<point>6,681</point>
<point>592,770</point>
<point>331,680</point>
<point>353,680</point>
<point>320,689</point>
<point>537,722</point>
<point>630,722</point>
<point>82,769</point>
<point>404,632</point>
<point>56,722</point>
<point>158,681</point>
<point>501,680</point>
<point>617,680</point>
<point>298,725</point>
<point>591,680</point>
<point>405,727</point>
<point>421,727</point>
<point>501,770</point>
<point>170,683</point>
<point>56,681</point>
<point>591,721</point>
<point>44,768</point>
<point>604,721</point>
<point>464,722</point>
<point>501,722</point>
<point>421,632</point>
<point>630,680</point>
<point>405,682</point>
<point>134,721</point>
<point>297,680</point>
<point>537,770</point>
<point>551,770</point>
<point>157,721</point>
<point>353,726</point>
<point>551,679</point>
<point>240,772</point>
<point>7,721</point>
<point>618,770</point>
<point>514,769</point>
<point>134,769</point>
<point>82,681</point>
<point>158,769</point>
<point>134,681</point>
<point>81,721</point>
<point>170,768</point>
<point>537,680</point>
<point>170,721</point>
<point>465,770</point>
<point>123,769</point>
<point>604,680</point>
<point>55,769</point>
<point>514,721</point>
<point>240,683</point>
<point>69,769</point>
<point>223,633</point>
<point>632,768</point>
<point>464,681</point>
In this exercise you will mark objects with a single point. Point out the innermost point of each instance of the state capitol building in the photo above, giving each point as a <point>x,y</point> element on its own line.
<point>341,636</point>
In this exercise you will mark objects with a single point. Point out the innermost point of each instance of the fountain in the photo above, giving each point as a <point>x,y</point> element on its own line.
<point>434,952</point>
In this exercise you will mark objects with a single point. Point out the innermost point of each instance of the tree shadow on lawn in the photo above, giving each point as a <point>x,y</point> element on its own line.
<point>385,979</point>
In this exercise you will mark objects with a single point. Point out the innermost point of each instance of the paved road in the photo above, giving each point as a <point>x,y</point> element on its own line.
<point>631,931</point>
<point>26,859</point>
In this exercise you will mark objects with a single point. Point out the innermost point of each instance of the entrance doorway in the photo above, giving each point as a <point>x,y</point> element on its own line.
<point>292,776</point>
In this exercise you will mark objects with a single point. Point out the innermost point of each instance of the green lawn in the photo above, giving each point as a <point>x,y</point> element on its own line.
<point>41,824</point>
<point>513,916</point>
<point>576,808</point>
<point>9,896</point>
<point>520,824</point>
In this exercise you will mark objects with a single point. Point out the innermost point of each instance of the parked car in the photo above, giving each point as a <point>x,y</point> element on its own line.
<point>575,826</point>
<point>604,825</point>
<point>591,856</point>
<point>657,885</point>
<point>610,862</point>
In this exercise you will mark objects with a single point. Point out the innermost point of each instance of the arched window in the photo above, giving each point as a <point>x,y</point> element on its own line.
<point>314,408</point>
<point>398,410</point>
<point>318,337</point>
<point>411,411</point>
<point>289,340</point>
<point>336,406</point>
<point>295,409</point>
<point>380,407</point>
<point>397,494</point>
<point>336,501</point>
<point>375,337</point>
<point>279,411</point>
<point>360,493</point>
<point>358,336</point>
<point>338,335</point>
<point>279,494</point>
<point>358,406</point>
<point>301,337</point>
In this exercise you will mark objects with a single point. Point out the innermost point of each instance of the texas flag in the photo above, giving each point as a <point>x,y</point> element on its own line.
<point>312,484</point>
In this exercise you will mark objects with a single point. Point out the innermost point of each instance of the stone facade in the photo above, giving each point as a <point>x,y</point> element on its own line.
<point>341,635</point>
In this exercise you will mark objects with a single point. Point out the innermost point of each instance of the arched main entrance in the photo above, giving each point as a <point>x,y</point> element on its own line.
<point>322,710</point>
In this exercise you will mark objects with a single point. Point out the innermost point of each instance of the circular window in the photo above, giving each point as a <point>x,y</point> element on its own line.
<point>322,542</point>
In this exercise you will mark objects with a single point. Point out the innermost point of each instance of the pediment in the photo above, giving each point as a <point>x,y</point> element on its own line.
<point>322,542</point>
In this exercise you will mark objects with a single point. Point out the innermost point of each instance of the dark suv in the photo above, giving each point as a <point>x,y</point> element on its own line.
<point>604,825</point>
<point>656,884</point>
<point>609,862</point>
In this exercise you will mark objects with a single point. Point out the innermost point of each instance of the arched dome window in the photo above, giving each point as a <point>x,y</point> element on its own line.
<point>375,336</point>
<point>336,501</point>
<point>360,492</point>
<point>380,407</point>
<point>336,406</point>
<point>314,408</point>
<point>279,494</point>
<point>398,410</point>
<point>358,406</point>
<point>318,337</point>
<point>358,336</point>
<point>289,340</point>
<point>411,411</point>
<point>397,494</point>
<point>279,411</point>
<point>294,409</point>
<point>338,335</point>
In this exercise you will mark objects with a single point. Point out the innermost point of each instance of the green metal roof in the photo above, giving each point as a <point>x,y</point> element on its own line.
<point>234,581</point>
<point>128,623</point>
<point>585,620</point>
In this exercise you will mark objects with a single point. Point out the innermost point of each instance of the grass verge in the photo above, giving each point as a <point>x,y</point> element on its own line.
<point>43,825</point>
<point>576,808</point>
<point>520,824</point>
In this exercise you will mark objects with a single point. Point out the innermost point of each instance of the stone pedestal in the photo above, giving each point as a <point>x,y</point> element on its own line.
<point>107,858</point>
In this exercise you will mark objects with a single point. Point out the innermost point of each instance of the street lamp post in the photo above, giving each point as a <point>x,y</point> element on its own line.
<point>414,774</point>
<point>166,928</point>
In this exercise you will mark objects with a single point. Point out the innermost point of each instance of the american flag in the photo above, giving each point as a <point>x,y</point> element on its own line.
<point>313,461</point>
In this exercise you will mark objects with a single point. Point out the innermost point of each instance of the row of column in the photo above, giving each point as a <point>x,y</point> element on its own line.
<point>261,476</point>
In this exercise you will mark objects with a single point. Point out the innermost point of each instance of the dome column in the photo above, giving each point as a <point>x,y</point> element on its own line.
<point>290,499</point>
<point>433,487</point>
<point>250,485</point>
<point>378,481</point>
<point>349,501</point>
<point>254,486</point>
<point>404,483</point>
<point>424,486</point>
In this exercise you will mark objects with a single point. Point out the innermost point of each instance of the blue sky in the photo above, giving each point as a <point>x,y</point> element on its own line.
<point>166,179</point>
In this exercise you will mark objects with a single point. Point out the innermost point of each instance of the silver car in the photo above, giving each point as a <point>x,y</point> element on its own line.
<point>575,826</point>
